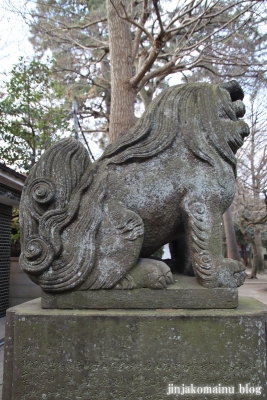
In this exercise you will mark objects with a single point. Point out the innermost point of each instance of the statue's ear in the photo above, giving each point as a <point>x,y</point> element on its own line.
<point>234,89</point>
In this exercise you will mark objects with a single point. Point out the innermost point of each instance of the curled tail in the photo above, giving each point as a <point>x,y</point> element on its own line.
<point>49,217</point>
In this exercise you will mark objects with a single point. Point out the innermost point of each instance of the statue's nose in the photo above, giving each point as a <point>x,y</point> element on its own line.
<point>234,89</point>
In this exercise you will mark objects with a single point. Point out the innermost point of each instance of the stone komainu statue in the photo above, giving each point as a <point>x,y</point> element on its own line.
<point>168,179</point>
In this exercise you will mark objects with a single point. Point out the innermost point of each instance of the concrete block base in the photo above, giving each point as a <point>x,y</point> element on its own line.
<point>135,354</point>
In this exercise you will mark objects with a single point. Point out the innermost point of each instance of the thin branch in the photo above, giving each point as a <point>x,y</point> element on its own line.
<point>69,27</point>
<point>143,19</point>
<point>155,3</point>
<point>180,16</point>
<point>95,130</point>
<point>219,29</point>
<point>126,18</point>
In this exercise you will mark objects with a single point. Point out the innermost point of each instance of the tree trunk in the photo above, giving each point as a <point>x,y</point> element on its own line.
<point>105,71</point>
<point>244,255</point>
<point>121,67</point>
<point>232,246</point>
<point>255,260</point>
<point>257,265</point>
<point>258,245</point>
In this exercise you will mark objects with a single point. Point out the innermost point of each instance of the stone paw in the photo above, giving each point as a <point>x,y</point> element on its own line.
<point>227,273</point>
<point>151,274</point>
<point>166,272</point>
<point>125,283</point>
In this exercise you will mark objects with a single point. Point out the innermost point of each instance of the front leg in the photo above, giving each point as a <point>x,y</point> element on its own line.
<point>203,221</point>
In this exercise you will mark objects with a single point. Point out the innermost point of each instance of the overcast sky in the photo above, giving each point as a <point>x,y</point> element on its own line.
<point>13,35</point>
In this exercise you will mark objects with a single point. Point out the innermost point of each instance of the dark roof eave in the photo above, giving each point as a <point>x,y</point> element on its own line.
<point>11,171</point>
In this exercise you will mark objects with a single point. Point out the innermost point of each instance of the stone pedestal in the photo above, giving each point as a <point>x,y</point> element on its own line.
<point>184,293</point>
<point>135,354</point>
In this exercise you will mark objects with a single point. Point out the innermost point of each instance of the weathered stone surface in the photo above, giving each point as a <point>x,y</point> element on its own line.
<point>118,354</point>
<point>168,179</point>
<point>185,293</point>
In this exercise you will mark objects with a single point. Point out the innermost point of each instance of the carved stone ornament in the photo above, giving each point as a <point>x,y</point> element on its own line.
<point>168,179</point>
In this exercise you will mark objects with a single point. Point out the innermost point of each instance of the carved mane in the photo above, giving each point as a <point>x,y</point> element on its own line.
<point>172,113</point>
<point>51,198</point>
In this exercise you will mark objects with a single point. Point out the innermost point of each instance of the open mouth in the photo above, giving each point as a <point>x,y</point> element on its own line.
<point>235,143</point>
<point>237,140</point>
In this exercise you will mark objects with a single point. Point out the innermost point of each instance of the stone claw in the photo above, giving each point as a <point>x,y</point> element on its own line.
<point>169,278</point>
<point>125,283</point>
<point>160,283</point>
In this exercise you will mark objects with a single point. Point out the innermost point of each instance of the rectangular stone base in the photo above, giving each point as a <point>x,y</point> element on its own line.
<point>135,355</point>
<point>184,293</point>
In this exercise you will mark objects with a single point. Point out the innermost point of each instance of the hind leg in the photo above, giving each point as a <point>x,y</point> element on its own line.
<point>118,245</point>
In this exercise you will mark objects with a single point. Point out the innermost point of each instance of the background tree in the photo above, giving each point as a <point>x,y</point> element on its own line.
<point>111,59</point>
<point>76,34</point>
<point>250,200</point>
<point>31,114</point>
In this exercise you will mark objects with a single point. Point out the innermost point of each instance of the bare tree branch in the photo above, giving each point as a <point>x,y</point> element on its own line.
<point>143,19</point>
<point>131,21</point>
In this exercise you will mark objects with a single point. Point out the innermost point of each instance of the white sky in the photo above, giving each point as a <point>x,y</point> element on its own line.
<point>13,35</point>
<point>14,43</point>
